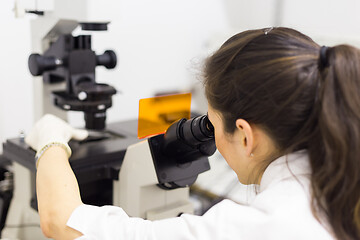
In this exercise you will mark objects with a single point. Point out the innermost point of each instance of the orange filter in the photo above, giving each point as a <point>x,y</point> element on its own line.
<point>158,113</point>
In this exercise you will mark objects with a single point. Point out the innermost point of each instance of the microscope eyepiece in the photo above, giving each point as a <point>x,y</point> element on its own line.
<point>196,130</point>
<point>188,140</point>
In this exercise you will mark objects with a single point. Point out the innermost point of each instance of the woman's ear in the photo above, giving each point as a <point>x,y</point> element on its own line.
<point>248,135</point>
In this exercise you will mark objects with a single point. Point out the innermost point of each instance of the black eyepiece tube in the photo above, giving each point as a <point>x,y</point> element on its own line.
<point>188,140</point>
<point>197,130</point>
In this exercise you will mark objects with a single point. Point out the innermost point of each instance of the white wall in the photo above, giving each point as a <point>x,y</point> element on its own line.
<point>326,21</point>
<point>15,82</point>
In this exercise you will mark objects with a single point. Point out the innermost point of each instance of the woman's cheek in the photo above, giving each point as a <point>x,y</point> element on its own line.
<point>219,145</point>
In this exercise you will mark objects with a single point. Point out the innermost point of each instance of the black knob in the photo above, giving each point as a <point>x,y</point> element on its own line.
<point>39,64</point>
<point>107,59</point>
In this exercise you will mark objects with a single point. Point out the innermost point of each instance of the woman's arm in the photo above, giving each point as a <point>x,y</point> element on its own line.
<point>57,188</point>
<point>58,194</point>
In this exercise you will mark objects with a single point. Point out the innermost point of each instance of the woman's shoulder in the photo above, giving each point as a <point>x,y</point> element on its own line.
<point>287,221</point>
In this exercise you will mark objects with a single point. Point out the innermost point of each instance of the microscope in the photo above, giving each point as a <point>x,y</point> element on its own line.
<point>148,179</point>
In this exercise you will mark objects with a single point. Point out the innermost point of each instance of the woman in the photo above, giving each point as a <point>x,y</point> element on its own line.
<point>286,114</point>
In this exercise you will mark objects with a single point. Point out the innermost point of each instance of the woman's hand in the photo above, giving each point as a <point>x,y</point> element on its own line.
<point>52,129</point>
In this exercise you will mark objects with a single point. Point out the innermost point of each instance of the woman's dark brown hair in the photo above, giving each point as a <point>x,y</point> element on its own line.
<point>275,78</point>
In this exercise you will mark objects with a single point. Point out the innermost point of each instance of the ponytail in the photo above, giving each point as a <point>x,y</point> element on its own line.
<point>335,149</point>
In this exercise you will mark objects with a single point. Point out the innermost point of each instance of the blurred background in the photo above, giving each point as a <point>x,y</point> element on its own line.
<point>161,46</point>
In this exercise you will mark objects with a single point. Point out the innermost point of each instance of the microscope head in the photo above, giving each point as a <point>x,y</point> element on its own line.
<point>71,60</point>
<point>181,154</point>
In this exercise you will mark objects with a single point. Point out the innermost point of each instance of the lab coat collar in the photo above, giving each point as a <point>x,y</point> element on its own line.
<point>288,166</point>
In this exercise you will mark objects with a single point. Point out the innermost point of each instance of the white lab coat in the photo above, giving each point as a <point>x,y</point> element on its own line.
<point>281,210</point>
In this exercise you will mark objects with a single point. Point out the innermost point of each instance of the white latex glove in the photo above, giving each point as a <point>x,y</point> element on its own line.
<point>50,129</point>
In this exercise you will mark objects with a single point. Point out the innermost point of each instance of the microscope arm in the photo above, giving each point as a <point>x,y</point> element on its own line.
<point>58,194</point>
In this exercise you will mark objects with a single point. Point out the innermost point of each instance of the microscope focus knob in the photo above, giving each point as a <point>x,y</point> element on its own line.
<point>39,64</point>
<point>107,59</point>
